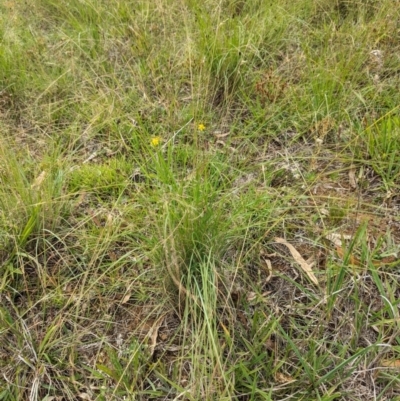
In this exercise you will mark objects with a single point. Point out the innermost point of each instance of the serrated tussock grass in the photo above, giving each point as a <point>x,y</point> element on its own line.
<point>152,158</point>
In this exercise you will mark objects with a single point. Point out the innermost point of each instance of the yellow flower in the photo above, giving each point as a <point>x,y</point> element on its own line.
<point>155,141</point>
<point>201,127</point>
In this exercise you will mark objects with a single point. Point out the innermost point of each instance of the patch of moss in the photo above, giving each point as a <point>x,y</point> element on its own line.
<point>108,178</point>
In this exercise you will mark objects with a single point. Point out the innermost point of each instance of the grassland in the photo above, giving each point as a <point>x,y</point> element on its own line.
<point>199,200</point>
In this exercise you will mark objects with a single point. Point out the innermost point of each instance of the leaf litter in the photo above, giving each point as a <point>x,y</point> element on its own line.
<point>307,267</point>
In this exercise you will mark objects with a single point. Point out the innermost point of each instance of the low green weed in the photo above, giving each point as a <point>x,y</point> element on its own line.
<point>383,144</point>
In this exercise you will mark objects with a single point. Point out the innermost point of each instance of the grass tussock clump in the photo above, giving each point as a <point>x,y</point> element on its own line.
<point>199,200</point>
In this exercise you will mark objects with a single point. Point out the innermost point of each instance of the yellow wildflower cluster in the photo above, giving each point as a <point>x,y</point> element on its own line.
<point>155,141</point>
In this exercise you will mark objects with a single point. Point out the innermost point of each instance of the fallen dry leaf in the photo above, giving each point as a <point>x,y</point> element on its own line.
<point>307,268</point>
<point>337,238</point>
<point>153,333</point>
<point>126,298</point>
<point>352,177</point>
<point>251,296</point>
<point>269,268</point>
<point>82,396</point>
<point>282,378</point>
<point>387,363</point>
<point>218,134</point>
